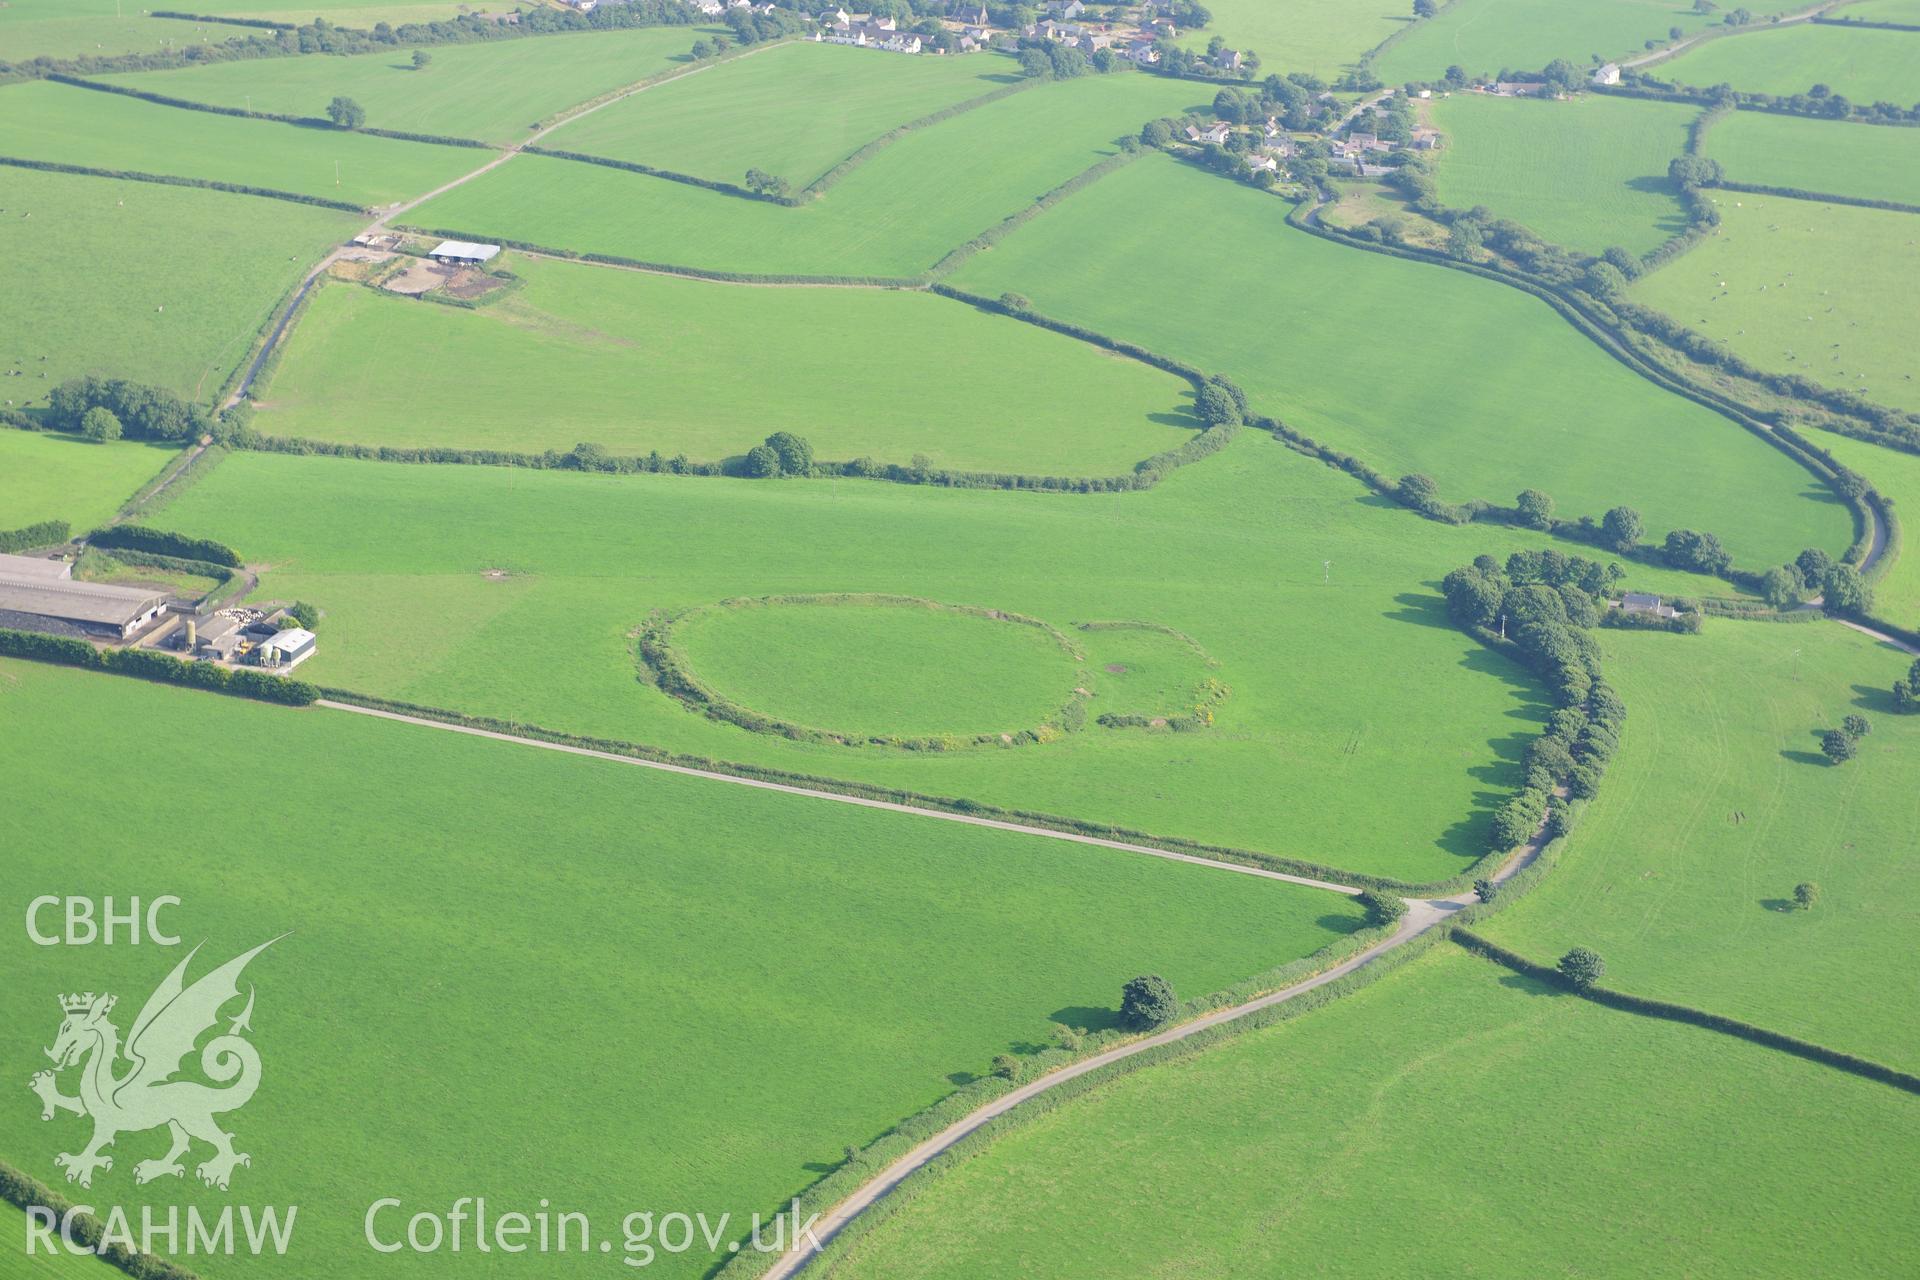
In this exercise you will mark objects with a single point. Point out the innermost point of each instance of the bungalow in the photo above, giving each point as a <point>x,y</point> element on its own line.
<point>1635,602</point>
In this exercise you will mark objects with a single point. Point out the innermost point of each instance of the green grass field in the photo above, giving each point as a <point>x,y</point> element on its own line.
<point>1804,287</point>
<point>1718,804</point>
<point>1866,66</point>
<point>1872,161</point>
<point>1626,1147</point>
<point>1230,551</point>
<point>1897,475</point>
<point>638,362</point>
<point>1905,11</point>
<point>50,476</point>
<point>1589,174</point>
<point>41,1265</point>
<point>896,215</point>
<point>60,123</point>
<point>743,114</point>
<point>1485,37</point>
<point>32,29</point>
<point>1411,367</point>
<point>1320,36</point>
<point>876,669</point>
<point>166,285</point>
<point>647,991</point>
<point>494,92</point>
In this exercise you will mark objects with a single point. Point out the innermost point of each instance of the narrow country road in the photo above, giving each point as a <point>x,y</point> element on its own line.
<point>861,801</point>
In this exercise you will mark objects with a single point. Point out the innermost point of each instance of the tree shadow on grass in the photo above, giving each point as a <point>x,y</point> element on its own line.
<point>1342,922</point>
<point>1874,698</point>
<point>1421,611</point>
<point>1804,757</point>
<point>1783,905</point>
<point>1530,986</point>
<point>1085,1018</point>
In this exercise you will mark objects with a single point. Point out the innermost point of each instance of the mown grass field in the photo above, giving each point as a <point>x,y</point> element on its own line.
<point>1871,161</point>
<point>1905,11</point>
<point>1230,551</point>
<point>645,991</point>
<point>32,29</point>
<point>1718,804</point>
<point>166,285</point>
<point>50,476</point>
<point>1409,366</point>
<point>1484,37</point>
<point>638,362</point>
<point>795,111</point>
<point>1320,36</point>
<point>44,1266</point>
<point>1804,287</point>
<point>1897,475</point>
<point>1866,66</point>
<point>61,123</point>
<point>494,92</point>
<point>1589,174</point>
<point>1364,1129</point>
<point>873,669</point>
<point>896,215</point>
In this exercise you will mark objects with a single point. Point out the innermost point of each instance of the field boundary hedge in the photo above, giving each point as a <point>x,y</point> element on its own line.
<point>303,122</point>
<point>44,534</point>
<point>1014,221</point>
<point>917,799</point>
<point>1866,1068</point>
<point>670,175</point>
<point>828,180</point>
<point>147,664</point>
<point>666,668</point>
<point>161,542</point>
<point>667,268</point>
<point>25,1192</point>
<point>169,180</point>
<point>1871,24</point>
<point>1824,197</point>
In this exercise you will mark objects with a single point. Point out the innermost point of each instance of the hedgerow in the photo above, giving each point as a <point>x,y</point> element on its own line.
<point>146,664</point>
<point>185,104</point>
<point>165,543</point>
<point>172,180</point>
<point>44,534</point>
<point>26,1193</point>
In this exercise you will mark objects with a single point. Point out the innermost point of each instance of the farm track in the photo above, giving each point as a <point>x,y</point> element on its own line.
<point>860,801</point>
<point>1723,33</point>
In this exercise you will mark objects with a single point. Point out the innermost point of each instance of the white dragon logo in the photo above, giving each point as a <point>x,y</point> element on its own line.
<point>146,1096</point>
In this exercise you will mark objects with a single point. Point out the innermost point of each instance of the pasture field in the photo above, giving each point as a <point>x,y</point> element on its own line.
<point>1905,11</point>
<point>1804,287</point>
<point>880,669</point>
<point>1875,162</point>
<point>42,1266</point>
<point>88,291</point>
<point>47,475</point>
<point>1897,475</point>
<point>749,113</point>
<point>1320,36</point>
<point>895,215</point>
<point>644,991</point>
<point>1865,65</point>
<point>638,362</point>
<point>493,92</point>
<point>32,29</point>
<point>1590,173</point>
<point>1484,37</point>
<point>1415,368</point>
<point>1638,1146</point>
<point>1717,805</point>
<point>1230,551</point>
<point>58,122</point>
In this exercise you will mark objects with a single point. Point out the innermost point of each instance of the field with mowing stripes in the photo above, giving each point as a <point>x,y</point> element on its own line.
<point>1874,162</point>
<point>1718,804</point>
<point>48,476</point>
<point>1866,65</point>
<point>896,215</point>
<point>166,285</point>
<point>1588,174</point>
<point>1411,367</point>
<point>1484,37</point>
<point>494,92</point>
<point>1800,286</point>
<point>1323,37</point>
<point>1362,1127</point>
<point>68,125</point>
<point>1230,551</point>
<point>639,362</point>
<point>640,924</point>
<point>742,115</point>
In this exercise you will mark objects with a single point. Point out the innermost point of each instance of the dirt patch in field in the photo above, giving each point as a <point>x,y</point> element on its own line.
<point>1116,668</point>
<point>420,277</point>
<point>468,285</point>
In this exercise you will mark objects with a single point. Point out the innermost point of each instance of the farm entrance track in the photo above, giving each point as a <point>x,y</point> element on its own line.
<point>407,206</point>
<point>1722,33</point>
<point>863,802</point>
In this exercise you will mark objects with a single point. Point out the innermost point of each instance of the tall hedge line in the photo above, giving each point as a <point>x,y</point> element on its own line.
<point>1825,197</point>
<point>25,1192</point>
<point>1667,1010</point>
<point>308,122</point>
<point>1013,222</point>
<point>161,542</point>
<point>146,664</point>
<point>670,175</point>
<point>171,180</point>
<point>865,153</point>
<point>44,534</point>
